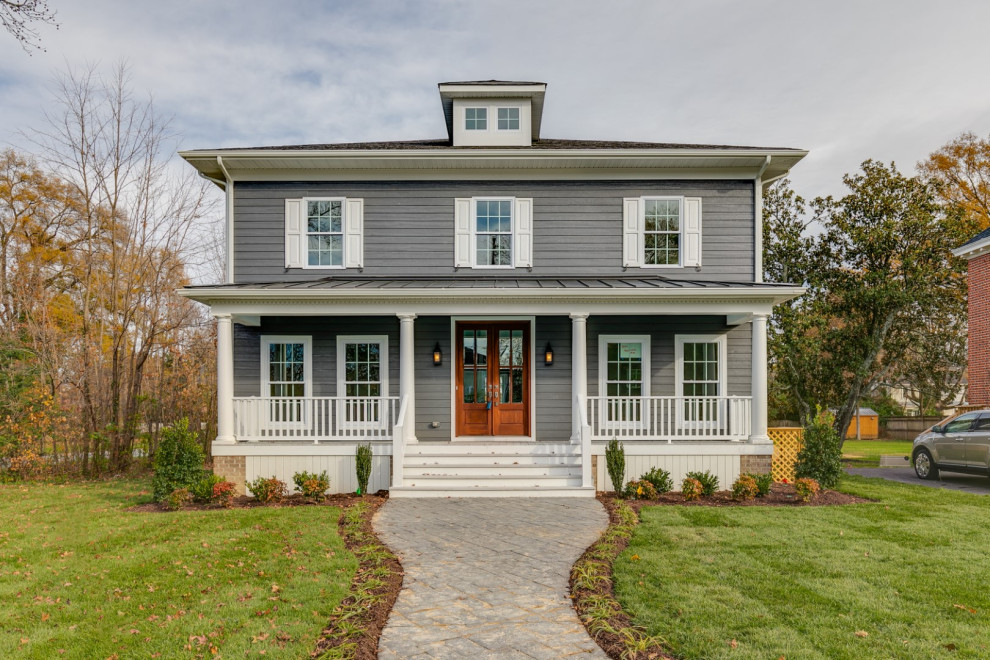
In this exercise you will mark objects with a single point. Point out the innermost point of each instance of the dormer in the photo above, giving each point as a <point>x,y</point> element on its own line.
<point>493,113</point>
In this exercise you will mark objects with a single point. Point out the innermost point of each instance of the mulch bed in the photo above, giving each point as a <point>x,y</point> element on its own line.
<point>342,500</point>
<point>780,495</point>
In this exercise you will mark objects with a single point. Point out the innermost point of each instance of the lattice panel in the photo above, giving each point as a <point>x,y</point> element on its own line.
<point>787,442</point>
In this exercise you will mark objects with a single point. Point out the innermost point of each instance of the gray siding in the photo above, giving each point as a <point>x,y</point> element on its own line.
<point>409,227</point>
<point>433,382</point>
<point>553,383</point>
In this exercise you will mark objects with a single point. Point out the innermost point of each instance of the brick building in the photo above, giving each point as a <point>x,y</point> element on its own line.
<point>977,251</point>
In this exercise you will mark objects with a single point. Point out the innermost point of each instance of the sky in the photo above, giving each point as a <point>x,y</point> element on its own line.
<point>847,80</point>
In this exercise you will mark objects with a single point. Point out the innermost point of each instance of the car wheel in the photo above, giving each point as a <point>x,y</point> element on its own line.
<point>924,466</point>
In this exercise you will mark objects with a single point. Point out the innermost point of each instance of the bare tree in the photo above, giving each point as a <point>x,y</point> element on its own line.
<point>19,16</point>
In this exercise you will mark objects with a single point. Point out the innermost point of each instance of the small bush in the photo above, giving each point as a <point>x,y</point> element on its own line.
<point>691,489</point>
<point>178,461</point>
<point>660,479</point>
<point>764,482</point>
<point>312,485</point>
<point>202,490</point>
<point>223,493</point>
<point>177,499</point>
<point>362,465</point>
<point>267,490</point>
<point>806,488</point>
<point>615,462</point>
<point>708,481</point>
<point>821,456</point>
<point>745,488</point>
<point>641,490</point>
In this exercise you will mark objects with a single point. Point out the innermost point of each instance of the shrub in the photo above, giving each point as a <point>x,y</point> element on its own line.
<point>177,499</point>
<point>691,489</point>
<point>764,482</point>
<point>806,488</point>
<point>311,484</point>
<point>223,493</point>
<point>745,488</point>
<point>708,481</point>
<point>821,456</point>
<point>178,461</point>
<point>267,490</point>
<point>615,462</point>
<point>362,464</point>
<point>659,479</point>
<point>641,490</point>
<point>202,490</point>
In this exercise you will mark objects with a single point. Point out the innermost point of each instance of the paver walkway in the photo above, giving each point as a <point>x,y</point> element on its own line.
<point>487,578</point>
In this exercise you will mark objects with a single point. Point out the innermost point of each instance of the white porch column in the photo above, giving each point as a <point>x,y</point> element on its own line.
<point>759,386</point>
<point>225,380</point>
<point>579,367</point>
<point>407,372</point>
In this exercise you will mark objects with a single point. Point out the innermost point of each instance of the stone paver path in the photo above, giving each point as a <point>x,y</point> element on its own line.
<point>487,577</point>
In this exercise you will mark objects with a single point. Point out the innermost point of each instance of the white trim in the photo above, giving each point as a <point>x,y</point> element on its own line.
<point>474,231</point>
<point>304,248</point>
<point>382,341</point>
<point>228,190</point>
<point>680,230</point>
<point>307,342</point>
<point>723,359</point>
<point>453,379</point>
<point>646,341</point>
<point>701,448</point>
<point>973,250</point>
<point>380,447</point>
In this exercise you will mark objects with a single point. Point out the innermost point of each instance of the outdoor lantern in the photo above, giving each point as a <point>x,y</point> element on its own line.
<point>549,354</point>
<point>437,355</point>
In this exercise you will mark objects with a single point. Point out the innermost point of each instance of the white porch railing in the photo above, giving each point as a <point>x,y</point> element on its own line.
<point>314,418</point>
<point>584,438</point>
<point>670,418</point>
<point>399,443</point>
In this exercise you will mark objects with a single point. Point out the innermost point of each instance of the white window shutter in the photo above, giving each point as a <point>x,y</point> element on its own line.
<point>295,234</point>
<point>632,233</point>
<point>353,233</point>
<point>523,257</point>
<point>692,232</point>
<point>462,233</point>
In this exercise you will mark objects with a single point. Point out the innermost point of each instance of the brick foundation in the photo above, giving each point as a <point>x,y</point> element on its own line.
<point>754,464</point>
<point>594,472</point>
<point>233,469</point>
<point>979,331</point>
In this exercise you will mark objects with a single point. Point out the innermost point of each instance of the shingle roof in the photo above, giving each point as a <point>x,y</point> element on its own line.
<point>493,282</point>
<point>444,143</point>
<point>979,237</point>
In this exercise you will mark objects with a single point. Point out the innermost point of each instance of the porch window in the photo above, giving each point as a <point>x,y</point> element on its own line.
<point>285,374</point>
<point>624,368</point>
<point>701,370</point>
<point>493,232</point>
<point>325,232</point>
<point>362,378</point>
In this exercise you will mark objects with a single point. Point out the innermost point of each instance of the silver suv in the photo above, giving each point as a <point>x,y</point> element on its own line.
<point>959,444</point>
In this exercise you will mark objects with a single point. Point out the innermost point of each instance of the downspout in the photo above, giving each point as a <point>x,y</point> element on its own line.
<point>758,220</point>
<point>229,228</point>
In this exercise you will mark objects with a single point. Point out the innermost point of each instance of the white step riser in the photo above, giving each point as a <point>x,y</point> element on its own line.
<point>410,471</point>
<point>491,492</point>
<point>493,448</point>
<point>491,482</point>
<point>482,460</point>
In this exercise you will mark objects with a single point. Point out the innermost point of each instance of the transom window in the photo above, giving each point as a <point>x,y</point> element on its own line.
<point>325,232</point>
<point>362,379</point>
<point>508,119</point>
<point>624,368</point>
<point>476,119</point>
<point>662,232</point>
<point>493,232</point>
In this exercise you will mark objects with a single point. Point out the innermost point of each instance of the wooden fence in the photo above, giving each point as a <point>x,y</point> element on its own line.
<point>787,442</point>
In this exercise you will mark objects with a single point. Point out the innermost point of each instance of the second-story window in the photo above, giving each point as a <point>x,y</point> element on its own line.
<point>476,119</point>
<point>325,232</point>
<point>508,119</point>
<point>662,232</point>
<point>493,232</point>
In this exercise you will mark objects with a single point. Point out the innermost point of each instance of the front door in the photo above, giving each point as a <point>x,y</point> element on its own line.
<point>492,381</point>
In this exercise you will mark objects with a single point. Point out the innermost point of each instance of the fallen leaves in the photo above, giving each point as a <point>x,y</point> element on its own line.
<point>862,633</point>
<point>963,607</point>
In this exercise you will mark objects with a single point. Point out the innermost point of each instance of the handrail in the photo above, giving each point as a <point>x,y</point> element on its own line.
<point>670,418</point>
<point>399,442</point>
<point>314,418</point>
<point>580,408</point>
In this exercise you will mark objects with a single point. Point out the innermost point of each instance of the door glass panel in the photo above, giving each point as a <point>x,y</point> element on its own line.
<point>469,386</point>
<point>517,385</point>
<point>482,347</point>
<point>469,348</point>
<point>517,347</point>
<point>503,347</point>
<point>504,385</point>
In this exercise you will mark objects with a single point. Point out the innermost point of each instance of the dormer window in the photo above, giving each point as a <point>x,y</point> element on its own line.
<point>508,119</point>
<point>476,119</point>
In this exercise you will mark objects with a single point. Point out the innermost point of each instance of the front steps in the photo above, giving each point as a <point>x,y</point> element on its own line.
<point>491,469</point>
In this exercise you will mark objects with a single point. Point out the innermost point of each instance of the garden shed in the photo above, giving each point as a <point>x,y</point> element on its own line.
<point>869,425</point>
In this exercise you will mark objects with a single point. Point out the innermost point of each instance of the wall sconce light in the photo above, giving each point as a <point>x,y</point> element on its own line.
<point>437,355</point>
<point>548,356</point>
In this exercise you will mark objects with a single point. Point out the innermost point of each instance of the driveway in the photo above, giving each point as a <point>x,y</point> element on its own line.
<point>487,577</point>
<point>948,480</point>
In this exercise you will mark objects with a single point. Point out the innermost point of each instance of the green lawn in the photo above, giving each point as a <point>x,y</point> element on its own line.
<point>81,574</point>
<point>866,453</point>
<point>905,577</point>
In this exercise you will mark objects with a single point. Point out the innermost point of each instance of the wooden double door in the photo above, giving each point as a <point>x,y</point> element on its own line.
<point>492,381</point>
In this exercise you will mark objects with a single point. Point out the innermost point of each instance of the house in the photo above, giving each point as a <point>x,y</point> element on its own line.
<point>977,252</point>
<point>490,308</point>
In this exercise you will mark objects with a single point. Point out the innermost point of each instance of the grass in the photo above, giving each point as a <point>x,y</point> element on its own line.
<point>900,578</point>
<point>80,577</point>
<point>866,453</point>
